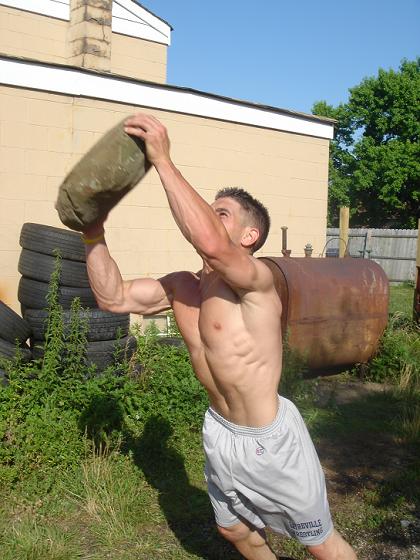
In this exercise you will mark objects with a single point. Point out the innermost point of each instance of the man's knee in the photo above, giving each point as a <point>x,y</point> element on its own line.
<point>334,548</point>
<point>235,533</point>
<point>242,532</point>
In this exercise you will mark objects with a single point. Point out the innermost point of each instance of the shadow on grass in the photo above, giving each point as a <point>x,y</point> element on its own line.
<point>186,508</point>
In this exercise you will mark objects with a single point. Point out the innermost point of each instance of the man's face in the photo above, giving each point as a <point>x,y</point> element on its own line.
<point>233,217</point>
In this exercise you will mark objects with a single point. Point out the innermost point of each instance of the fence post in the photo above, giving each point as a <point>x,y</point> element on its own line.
<point>416,301</point>
<point>344,231</point>
<point>368,244</point>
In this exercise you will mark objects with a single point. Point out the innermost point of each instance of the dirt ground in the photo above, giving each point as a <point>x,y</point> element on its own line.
<point>363,462</point>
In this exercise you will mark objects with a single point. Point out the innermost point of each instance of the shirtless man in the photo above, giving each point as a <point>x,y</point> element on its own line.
<point>261,467</point>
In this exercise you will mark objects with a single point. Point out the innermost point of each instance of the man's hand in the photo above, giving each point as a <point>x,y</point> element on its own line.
<point>95,230</point>
<point>154,135</point>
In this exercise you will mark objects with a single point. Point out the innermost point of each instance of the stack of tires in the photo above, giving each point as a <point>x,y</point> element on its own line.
<point>14,332</point>
<point>107,332</point>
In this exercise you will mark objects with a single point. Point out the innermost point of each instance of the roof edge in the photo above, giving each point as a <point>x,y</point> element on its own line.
<point>34,74</point>
<point>152,13</point>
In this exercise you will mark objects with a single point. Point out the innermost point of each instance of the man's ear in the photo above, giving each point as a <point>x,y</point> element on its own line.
<point>250,237</point>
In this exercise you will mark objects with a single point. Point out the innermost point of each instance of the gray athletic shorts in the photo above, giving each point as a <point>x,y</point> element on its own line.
<point>269,476</point>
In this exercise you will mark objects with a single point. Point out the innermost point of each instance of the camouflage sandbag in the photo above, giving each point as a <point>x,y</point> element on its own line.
<point>109,170</point>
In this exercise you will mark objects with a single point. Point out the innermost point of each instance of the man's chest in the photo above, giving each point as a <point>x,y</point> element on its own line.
<point>206,311</point>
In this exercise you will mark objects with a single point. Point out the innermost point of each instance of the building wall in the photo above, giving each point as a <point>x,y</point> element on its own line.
<point>24,34</point>
<point>137,58</point>
<point>42,135</point>
<point>43,38</point>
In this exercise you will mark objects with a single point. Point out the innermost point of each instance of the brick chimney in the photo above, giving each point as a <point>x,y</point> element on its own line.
<point>89,34</point>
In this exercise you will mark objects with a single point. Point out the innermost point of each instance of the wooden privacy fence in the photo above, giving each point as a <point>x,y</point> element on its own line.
<point>394,249</point>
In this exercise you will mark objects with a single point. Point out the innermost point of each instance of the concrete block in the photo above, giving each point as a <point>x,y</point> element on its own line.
<point>60,140</point>
<point>104,4</point>
<point>41,212</point>
<point>88,30</point>
<point>9,237</point>
<point>21,186</point>
<point>82,141</point>
<point>36,138</point>
<point>52,186</point>
<point>11,212</point>
<point>87,60</point>
<point>93,120</point>
<point>46,163</point>
<point>11,159</point>
<point>99,15</point>
<point>43,112</point>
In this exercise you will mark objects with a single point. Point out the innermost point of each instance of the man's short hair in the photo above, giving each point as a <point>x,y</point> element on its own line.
<point>258,212</point>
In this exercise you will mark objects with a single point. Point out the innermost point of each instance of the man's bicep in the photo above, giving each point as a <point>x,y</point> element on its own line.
<point>148,296</point>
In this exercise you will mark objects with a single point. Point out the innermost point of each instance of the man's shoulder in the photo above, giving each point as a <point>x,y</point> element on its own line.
<point>179,278</point>
<point>265,274</point>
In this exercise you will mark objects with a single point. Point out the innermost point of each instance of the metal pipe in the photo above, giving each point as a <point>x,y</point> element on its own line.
<point>285,251</point>
<point>283,238</point>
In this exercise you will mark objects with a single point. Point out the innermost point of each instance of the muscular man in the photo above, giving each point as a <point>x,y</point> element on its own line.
<point>261,467</point>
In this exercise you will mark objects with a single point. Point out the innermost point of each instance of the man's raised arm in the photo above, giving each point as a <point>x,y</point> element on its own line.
<point>197,221</point>
<point>145,296</point>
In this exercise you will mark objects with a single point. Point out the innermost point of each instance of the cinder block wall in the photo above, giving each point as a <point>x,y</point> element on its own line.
<point>32,35</point>
<point>42,135</point>
<point>139,59</point>
<point>86,41</point>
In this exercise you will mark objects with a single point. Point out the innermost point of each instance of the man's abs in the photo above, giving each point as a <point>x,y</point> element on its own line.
<point>235,348</point>
<point>241,389</point>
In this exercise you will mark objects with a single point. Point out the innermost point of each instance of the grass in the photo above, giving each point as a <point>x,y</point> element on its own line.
<point>122,476</point>
<point>401,300</point>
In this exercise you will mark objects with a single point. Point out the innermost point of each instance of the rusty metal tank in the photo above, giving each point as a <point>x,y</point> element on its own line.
<point>334,310</point>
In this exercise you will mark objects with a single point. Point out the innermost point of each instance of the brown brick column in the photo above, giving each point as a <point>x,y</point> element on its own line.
<point>89,34</point>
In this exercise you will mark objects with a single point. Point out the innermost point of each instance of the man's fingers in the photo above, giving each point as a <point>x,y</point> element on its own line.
<point>135,131</point>
<point>146,122</point>
<point>142,120</point>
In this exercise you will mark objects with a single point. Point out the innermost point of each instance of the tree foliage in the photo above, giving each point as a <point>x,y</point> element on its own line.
<point>374,163</point>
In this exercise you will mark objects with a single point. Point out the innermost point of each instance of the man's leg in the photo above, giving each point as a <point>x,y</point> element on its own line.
<point>250,542</point>
<point>334,548</point>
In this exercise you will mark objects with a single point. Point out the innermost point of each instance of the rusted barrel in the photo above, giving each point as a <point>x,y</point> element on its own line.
<point>334,310</point>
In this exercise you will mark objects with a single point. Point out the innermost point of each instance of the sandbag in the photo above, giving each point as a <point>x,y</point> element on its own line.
<point>106,173</point>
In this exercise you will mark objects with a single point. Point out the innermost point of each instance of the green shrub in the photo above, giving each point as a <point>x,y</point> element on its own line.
<point>398,356</point>
<point>55,409</point>
<point>169,385</point>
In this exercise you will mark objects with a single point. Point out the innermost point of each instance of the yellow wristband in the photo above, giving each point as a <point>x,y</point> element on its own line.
<point>94,240</point>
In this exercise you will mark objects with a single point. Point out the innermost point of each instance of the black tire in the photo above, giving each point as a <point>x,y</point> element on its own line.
<point>46,239</point>
<point>32,294</point>
<point>101,354</point>
<point>4,381</point>
<point>40,267</point>
<point>9,350</point>
<point>172,341</point>
<point>103,325</point>
<point>12,326</point>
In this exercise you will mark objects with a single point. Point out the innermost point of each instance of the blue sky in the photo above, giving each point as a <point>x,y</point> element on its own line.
<point>286,54</point>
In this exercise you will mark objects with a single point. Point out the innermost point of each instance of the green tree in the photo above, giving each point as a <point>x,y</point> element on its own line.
<point>375,163</point>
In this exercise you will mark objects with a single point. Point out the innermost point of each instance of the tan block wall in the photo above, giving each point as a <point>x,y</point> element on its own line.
<point>136,58</point>
<point>35,36</point>
<point>32,35</point>
<point>42,135</point>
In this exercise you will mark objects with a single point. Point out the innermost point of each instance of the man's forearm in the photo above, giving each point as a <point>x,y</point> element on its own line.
<point>104,275</point>
<point>194,216</point>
